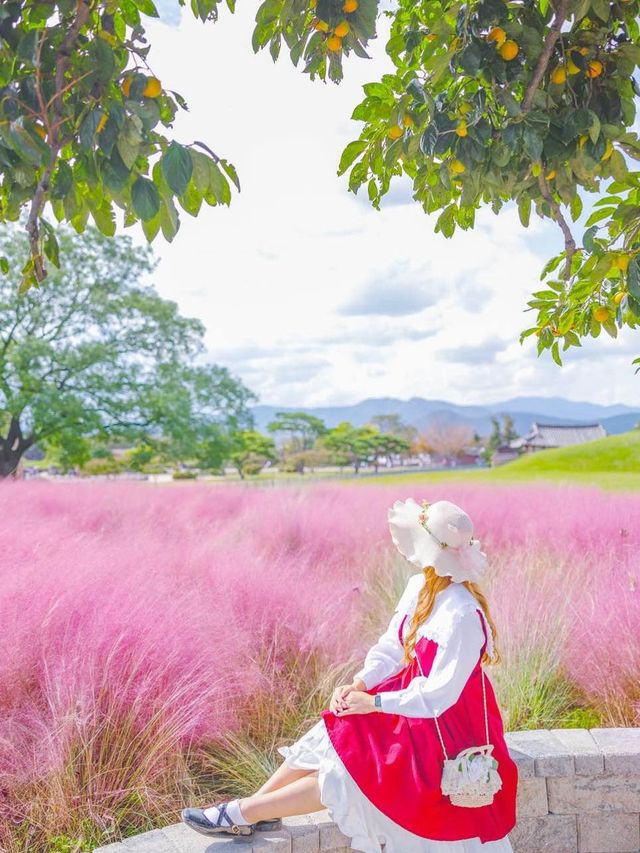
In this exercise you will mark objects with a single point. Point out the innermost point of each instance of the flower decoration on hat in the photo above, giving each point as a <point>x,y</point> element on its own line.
<point>422,518</point>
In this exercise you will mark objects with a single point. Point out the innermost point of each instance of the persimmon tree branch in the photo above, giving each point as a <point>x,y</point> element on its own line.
<point>569,242</point>
<point>532,87</point>
<point>547,51</point>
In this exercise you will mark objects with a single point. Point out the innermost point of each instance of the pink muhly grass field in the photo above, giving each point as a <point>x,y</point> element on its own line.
<point>136,619</point>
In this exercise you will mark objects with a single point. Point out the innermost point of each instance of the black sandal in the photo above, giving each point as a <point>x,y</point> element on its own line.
<point>269,825</point>
<point>196,819</point>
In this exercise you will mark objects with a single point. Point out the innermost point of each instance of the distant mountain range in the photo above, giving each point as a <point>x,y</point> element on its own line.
<point>422,413</point>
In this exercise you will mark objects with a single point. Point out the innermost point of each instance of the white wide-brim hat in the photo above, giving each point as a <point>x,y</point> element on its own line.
<point>438,534</point>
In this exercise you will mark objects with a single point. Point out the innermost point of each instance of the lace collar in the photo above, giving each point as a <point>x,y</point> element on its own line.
<point>450,605</point>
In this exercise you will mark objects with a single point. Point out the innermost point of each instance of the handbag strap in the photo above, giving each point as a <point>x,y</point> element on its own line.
<point>484,702</point>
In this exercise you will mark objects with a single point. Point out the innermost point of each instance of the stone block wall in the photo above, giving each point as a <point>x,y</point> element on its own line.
<point>578,792</point>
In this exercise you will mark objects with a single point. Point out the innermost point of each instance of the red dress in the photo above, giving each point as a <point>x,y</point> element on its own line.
<point>396,760</point>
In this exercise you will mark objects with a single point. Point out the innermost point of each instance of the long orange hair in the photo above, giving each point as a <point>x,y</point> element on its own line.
<point>426,599</point>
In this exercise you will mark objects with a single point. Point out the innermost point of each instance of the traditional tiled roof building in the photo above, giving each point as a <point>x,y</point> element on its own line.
<point>544,436</point>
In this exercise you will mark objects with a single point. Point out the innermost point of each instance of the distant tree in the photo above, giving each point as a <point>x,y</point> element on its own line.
<point>392,424</point>
<point>302,428</point>
<point>508,429</point>
<point>303,431</point>
<point>358,445</point>
<point>140,456</point>
<point>500,434</point>
<point>495,439</point>
<point>349,443</point>
<point>450,440</point>
<point>298,462</point>
<point>250,452</point>
<point>93,353</point>
<point>384,444</point>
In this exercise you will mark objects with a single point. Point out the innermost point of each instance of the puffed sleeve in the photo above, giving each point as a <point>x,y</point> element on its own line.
<point>384,658</point>
<point>430,695</point>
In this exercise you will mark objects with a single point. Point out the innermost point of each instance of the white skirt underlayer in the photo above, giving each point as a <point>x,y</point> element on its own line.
<point>355,815</point>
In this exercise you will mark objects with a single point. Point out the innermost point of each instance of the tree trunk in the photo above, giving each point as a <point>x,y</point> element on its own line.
<point>12,448</point>
<point>8,461</point>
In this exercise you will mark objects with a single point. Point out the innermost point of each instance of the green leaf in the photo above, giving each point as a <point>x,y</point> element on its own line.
<point>555,353</point>
<point>50,246</point>
<point>587,239</point>
<point>429,139</point>
<point>191,200</point>
<point>274,46</point>
<point>169,220</point>
<point>524,209</point>
<point>378,90</point>
<point>128,144</point>
<point>27,46</point>
<point>509,102</point>
<point>618,166</point>
<point>578,121</point>
<point>230,171</point>
<point>532,143</point>
<point>350,153</point>
<point>602,9</point>
<point>115,173</point>
<point>147,8</point>
<point>200,170</point>
<point>599,215</point>
<point>151,227</point>
<point>145,198</point>
<point>575,206</point>
<point>88,127</point>
<point>471,59</point>
<point>416,90</point>
<point>148,110</point>
<point>218,186</point>
<point>105,63</point>
<point>594,129</point>
<point>633,278</point>
<point>104,218</point>
<point>62,180</point>
<point>29,147</point>
<point>634,305</point>
<point>177,167</point>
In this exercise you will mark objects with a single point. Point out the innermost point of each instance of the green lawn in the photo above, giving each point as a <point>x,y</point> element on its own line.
<point>610,463</point>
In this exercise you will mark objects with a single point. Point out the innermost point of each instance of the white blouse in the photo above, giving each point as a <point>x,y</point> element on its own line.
<point>454,624</point>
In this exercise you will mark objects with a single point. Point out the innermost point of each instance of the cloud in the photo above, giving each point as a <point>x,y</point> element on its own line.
<point>474,353</point>
<point>242,354</point>
<point>169,12</point>
<point>374,337</point>
<point>291,372</point>
<point>397,293</point>
<point>255,358</point>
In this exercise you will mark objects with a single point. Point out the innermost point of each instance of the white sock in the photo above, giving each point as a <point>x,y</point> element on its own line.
<point>233,810</point>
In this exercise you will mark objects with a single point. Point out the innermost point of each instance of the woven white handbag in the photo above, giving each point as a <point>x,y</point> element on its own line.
<point>471,778</point>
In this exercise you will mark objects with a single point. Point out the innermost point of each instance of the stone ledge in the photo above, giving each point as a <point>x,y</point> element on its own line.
<point>578,792</point>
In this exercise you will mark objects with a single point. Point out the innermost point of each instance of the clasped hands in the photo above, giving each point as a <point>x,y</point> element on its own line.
<point>350,699</point>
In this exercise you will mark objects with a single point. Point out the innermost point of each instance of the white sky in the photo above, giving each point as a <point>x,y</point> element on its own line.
<point>310,295</point>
